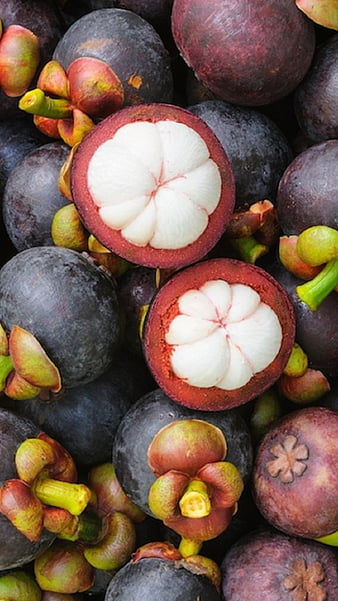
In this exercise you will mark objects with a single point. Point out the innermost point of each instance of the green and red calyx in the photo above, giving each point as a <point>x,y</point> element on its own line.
<point>67,103</point>
<point>312,256</point>
<point>25,369</point>
<point>196,490</point>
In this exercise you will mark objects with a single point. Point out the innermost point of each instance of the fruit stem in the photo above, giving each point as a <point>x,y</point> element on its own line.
<point>36,102</point>
<point>189,547</point>
<point>315,291</point>
<point>71,496</point>
<point>195,502</point>
<point>249,249</point>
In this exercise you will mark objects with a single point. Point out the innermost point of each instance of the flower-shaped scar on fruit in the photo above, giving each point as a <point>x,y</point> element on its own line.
<point>218,333</point>
<point>154,185</point>
<point>196,490</point>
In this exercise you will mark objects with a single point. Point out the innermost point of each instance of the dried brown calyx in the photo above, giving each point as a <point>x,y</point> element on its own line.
<point>306,582</point>
<point>289,459</point>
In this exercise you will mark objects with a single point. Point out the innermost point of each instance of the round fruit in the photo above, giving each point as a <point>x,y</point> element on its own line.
<point>278,568</point>
<point>248,53</point>
<point>295,476</point>
<point>143,66</point>
<point>218,333</point>
<point>154,185</point>
<point>32,196</point>
<point>69,305</point>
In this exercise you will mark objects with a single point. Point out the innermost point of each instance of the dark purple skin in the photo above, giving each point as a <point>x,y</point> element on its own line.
<point>258,150</point>
<point>161,579</point>
<point>308,190</point>
<point>316,97</point>
<point>135,289</point>
<point>257,568</point>
<point>157,12</point>
<point>68,303</point>
<point>16,550</point>
<point>251,54</point>
<point>316,331</point>
<point>18,136</point>
<point>106,34</point>
<point>32,197</point>
<point>84,419</point>
<point>43,18</point>
<point>146,417</point>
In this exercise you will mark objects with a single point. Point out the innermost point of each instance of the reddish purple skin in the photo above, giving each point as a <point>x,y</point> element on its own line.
<point>249,52</point>
<point>256,566</point>
<point>307,506</point>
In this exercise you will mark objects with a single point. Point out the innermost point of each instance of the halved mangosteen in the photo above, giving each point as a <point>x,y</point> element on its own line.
<point>154,185</point>
<point>218,333</point>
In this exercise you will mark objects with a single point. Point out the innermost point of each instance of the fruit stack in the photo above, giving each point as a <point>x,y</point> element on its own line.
<point>168,300</point>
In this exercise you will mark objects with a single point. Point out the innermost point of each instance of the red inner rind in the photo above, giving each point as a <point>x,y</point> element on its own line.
<point>112,239</point>
<point>164,308</point>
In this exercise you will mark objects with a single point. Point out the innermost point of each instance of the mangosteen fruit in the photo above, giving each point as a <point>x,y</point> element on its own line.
<point>68,305</point>
<point>218,333</point>
<point>16,550</point>
<point>32,196</point>
<point>143,67</point>
<point>152,413</point>
<point>156,12</point>
<point>166,579</point>
<point>258,150</point>
<point>308,189</point>
<point>84,419</point>
<point>316,96</point>
<point>266,565</point>
<point>295,473</point>
<point>246,53</point>
<point>154,185</point>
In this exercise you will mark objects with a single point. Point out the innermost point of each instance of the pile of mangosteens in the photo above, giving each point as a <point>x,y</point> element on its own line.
<point>168,300</point>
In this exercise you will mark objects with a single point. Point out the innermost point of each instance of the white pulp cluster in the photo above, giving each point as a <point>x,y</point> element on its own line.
<point>223,335</point>
<point>155,183</point>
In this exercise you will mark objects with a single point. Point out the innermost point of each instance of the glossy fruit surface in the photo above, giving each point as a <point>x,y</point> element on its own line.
<point>68,304</point>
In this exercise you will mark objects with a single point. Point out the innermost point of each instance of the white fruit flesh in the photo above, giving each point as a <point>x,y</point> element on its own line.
<point>222,336</point>
<point>155,183</point>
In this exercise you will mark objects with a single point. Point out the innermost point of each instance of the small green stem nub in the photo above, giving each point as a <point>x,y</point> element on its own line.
<point>71,496</point>
<point>249,249</point>
<point>36,102</point>
<point>315,291</point>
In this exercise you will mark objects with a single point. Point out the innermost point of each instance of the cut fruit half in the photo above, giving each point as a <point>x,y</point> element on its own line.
<point>153,184</point>
<point>218,333</point>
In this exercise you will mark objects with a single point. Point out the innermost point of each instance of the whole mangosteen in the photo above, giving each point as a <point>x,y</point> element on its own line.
<point>249,53</point>
<point>65,303</point>
<point>295,473</point>
<point>266,565</point>
<point>32,196</point>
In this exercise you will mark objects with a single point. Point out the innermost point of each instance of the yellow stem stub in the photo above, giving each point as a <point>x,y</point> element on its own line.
<point>195,502</point>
